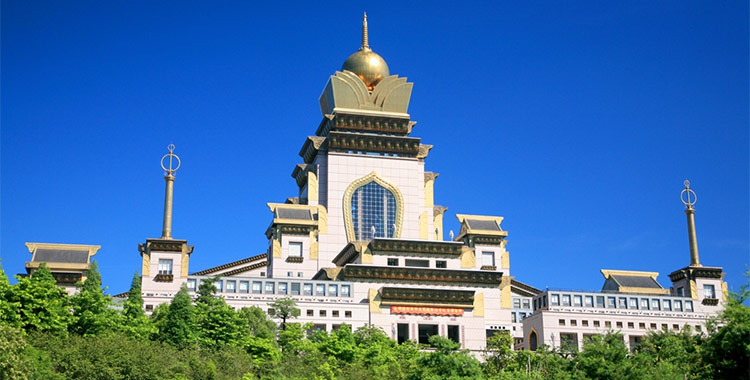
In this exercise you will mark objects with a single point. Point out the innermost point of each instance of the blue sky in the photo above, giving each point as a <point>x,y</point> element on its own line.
<point>576,121</point>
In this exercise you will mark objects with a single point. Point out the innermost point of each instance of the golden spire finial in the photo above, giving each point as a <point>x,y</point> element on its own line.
<point>365,37</point>
<point>169,170</point>
<point>688,198</point>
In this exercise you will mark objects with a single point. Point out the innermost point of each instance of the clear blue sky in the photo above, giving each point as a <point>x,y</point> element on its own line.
<point>576,121</point>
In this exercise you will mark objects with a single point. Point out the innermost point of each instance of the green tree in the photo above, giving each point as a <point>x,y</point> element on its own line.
<point>283,308</point>
<point>603,357</point>
<point>207,292</point>
<point>257,321</point>
<point>92,309</point>
<point>178,325</point>
<point>499,352</point>
<point>728,347</point>
<point>446,362</point>
<point>133,321</point>
<point>8,307</point>
<point>13,364</point>
<point>41,304</point>
<point>133,308</point>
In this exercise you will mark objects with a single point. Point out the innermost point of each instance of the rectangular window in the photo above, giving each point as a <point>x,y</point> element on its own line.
<point>244,286</point>
<point>677,305</point>
<point>282,288</point>
<point>566,300</point>
<point>589,301</point>
<point>516,303</point>
<point>417,263</point>
<point>322,313</point>
<point>441,264</point>
<point>611,302</point>
<point>577,300</point>
<point>295,289</point>
<point>320,289</point>
<point>708,290</point>
<point>220,285</point>
<point>392,262</point>
<point>307,290</point>
<point>333,290</point>
<point>270,287</point>
<point>425,332</point>
<point>667,304</point>
<point>644,303</point>
<point>599,301</point>
<point>345,290</point>
<point>607,324</point>
<point>633,303</point>
<point>299,274</point>
<point>256,287</point>
<point>310,313</point>
<point>513,317</point>
<point>688,305</point>
<point>655,304</point>
<point>641,325</point>
<point>623,303</point>
<point>585,323</point>
<point>347,314</point>
<point>526,304</point>
<point>561,322</point>
<point>554,300</point>
<point>402,332</point>
<point>488,258</point>
<point>335,313</point>
<point>231,286</point>
<point>631,325</point>
<point>596,323</point>
<point>290,274</point>
<point>165,266</point>
<point>295,249</point>
<point>681,292</point>
<point>453,333</point>
<point>573,322</point>
<point>191,284</point>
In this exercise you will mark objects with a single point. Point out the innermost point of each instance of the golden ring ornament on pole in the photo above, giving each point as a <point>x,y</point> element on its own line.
<point>170,169</point>
<point>687,196</point>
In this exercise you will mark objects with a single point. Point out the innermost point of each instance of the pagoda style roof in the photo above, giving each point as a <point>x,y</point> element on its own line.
<point>525,290</point>
<point>293,219</point>
<point>622,281</point>
<point>354,272</point>
<point>235,266</point>
<point>421,296</point>
<point>67,259</point>
<point>481,229</point>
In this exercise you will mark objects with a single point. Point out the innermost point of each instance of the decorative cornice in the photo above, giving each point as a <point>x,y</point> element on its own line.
<point>422,275</point>
<point>161,277</point>
<point>532,291</point>
<point>294,259</point>
<point>439,210</point>
<point>430,176</point>
<point>230,265</point>
<point>165,245</point>
<point>427,247</point>
<point>710,301</point>
<point>311,147</point>
<point>488,267</point>
<point>411,296</point>
<point>487,240</point>
<point>365,123</point>
<point>405,146</point>
<point>424,150</point>
<point>296,230</point>
<point>67,278</point>
<point>693,272</point>
<point>348,254</point>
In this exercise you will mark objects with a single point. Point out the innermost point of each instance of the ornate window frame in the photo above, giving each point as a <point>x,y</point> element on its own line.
<point>356,184</point>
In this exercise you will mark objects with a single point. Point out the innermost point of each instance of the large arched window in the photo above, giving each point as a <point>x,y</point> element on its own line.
<point>373,212</point>
<point>372,209</point>
<point>532,341</point>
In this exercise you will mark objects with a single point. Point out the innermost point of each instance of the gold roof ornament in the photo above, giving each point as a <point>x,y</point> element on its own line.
<point>365,63</point>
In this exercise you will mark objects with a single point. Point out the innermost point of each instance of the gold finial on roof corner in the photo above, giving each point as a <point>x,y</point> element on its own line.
<point>365,37</point>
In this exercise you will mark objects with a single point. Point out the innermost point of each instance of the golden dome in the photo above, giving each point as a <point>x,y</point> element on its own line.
<point>368,65</point>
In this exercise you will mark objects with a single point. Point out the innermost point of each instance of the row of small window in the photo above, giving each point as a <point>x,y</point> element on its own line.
<point>518,303</point>
<point>282,288</point>
<point>619,324</point>
<point>613,302</point>
<point>324,313</point>
<point>424,332</point>
<point>394,262</point>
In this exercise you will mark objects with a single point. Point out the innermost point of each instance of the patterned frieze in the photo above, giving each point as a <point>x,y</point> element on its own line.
<point>247,268</point>
<point>428,247</point>
<point>391,296</point>
<point>311,147</point>
<point>347,255</point>
<point>365,123</point>
<point>405,146</point>
<point>422,275</point>
<point>220,268</point>
<point>693,272</point>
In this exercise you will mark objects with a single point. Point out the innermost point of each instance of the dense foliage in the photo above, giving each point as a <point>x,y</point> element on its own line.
<point>45,334</point>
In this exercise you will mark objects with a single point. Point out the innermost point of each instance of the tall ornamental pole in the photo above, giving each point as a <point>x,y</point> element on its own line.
<point>169,170</point>
<point>689,198</point>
